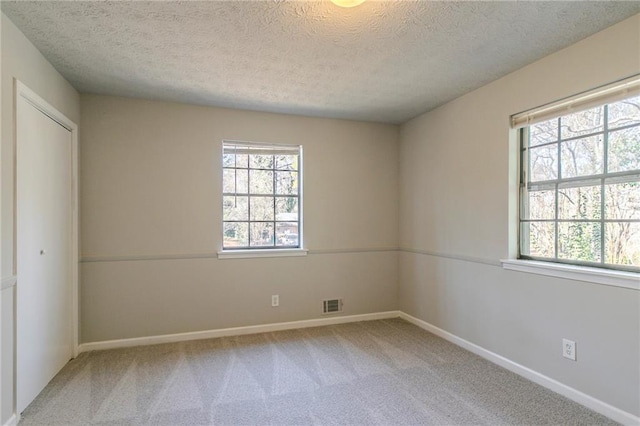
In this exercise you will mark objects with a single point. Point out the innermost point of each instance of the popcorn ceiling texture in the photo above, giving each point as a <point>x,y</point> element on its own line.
<point>382,61</point>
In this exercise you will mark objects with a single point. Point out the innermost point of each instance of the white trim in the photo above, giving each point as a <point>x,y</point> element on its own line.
<point>23,92</point>
<point>247,254</point>
<point>233,331</point>
<point>12,421</point>
<point>187,256</point>
<point>573,272</point>
<point>8,282</point>
<point>143,257</point>
<point>549,383</point>
<point>484,261</point>
<point>43,106</point>
<point>353,250</point>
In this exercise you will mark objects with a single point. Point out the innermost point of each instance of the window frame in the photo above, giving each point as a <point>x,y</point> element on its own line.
<point>270,250</point>
<point>601,180</point>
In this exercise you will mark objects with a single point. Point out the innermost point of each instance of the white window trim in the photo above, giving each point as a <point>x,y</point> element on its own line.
<point>253,253</point>
<point>247,253</point>
<point>596,275</point>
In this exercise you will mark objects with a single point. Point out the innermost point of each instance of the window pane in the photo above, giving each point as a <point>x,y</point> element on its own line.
<point>582,157</point>
<point>261,182</point>
<point>624,113</point>
<point>235,234</point>
<point>541,205</point>
<point>235,181</point>
<point>260,161</point>
<point>261,234</point>
<point>262,208</point>
<point>537,239</point>
<point>544,132</point>
<point>287,234</point>
<point>287,209</point>
<point>579,241</point>
<point>287,183</point>
<point>235,208</point>
<point>287,162</point>
<point>624,150</point>
<point>579,203</point>
<point>582,123</point>
<point>544,163</point>
<point>622,243</point>
<point>622,200</point>
<point>233,160</point>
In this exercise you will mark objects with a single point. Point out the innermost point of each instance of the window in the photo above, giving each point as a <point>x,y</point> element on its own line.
<point>262,197</point>
<point>580,182</point>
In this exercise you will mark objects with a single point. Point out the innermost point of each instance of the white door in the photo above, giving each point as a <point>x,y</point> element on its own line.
<point>44,336</point>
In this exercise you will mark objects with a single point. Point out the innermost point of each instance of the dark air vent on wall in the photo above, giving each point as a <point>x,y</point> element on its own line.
<point>331,306</point>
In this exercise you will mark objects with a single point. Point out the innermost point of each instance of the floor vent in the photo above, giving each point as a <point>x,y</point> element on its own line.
<point>331,306</point>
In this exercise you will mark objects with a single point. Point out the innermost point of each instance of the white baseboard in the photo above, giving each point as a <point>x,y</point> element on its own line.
<point>234,331</point>
<point>575,395</point>
<point>13,421</point>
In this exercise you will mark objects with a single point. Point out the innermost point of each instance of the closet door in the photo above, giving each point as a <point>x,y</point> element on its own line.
<point>44,331</point>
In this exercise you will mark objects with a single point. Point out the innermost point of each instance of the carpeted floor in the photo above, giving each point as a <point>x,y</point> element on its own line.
<point>386,372</point>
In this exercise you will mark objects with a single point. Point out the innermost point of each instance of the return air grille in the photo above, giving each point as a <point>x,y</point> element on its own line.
<point>330,306</point>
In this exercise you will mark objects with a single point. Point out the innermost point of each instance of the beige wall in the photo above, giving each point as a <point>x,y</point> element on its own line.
<point>20,60</point>
<point>457,197</point>
<point>151,187</point>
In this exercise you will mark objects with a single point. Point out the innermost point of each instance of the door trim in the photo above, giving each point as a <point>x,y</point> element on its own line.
<point>24,94</point>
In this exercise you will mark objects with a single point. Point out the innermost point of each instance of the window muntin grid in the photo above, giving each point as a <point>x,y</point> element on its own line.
<point>262,195</point>
<point>580,187</point>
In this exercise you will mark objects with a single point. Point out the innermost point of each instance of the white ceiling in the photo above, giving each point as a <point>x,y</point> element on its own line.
<point>385,61</point>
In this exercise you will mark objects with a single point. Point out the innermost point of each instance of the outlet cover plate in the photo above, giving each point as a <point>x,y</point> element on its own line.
<point>569,349</point>
<point>275,300</point>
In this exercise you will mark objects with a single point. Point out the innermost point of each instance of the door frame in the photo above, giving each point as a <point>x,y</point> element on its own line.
<point>25,94</point>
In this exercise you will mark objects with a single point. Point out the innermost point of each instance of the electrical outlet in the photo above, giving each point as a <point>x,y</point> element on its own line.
<point>275,300</point>
<point>569,349</point>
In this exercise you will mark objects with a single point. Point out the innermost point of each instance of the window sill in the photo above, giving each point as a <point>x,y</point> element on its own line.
<point>572,272</point>
<point>248,254</point>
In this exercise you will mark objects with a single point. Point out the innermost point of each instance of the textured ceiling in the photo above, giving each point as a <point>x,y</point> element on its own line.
<point>381,61</point>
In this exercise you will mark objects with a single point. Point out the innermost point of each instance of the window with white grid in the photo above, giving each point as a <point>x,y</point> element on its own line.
<point>261,196</point>
<point>580,183</point>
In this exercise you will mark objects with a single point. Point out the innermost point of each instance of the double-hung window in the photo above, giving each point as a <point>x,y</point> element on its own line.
<point>262,196</point>
<point>580,179</point>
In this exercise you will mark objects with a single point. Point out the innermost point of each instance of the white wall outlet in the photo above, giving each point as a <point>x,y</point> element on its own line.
<point>275,300</point>
<point>569,349</point>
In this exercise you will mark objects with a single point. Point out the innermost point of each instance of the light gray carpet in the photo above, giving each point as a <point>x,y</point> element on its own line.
<point>385,372</point>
